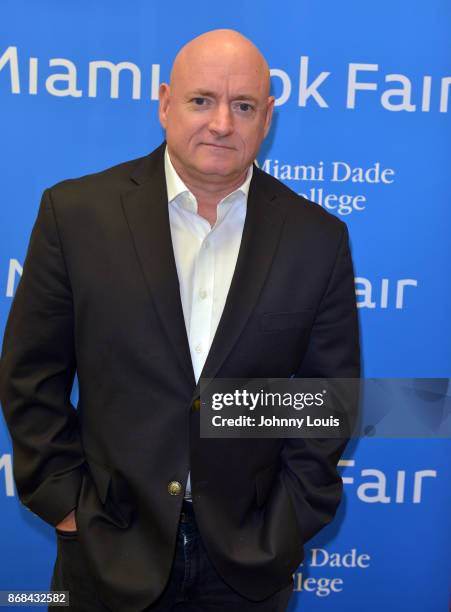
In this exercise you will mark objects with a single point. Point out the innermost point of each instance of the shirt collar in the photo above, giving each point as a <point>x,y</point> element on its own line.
<point>175,186</point>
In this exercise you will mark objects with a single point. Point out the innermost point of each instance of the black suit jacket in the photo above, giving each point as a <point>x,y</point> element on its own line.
<point>99,296</point>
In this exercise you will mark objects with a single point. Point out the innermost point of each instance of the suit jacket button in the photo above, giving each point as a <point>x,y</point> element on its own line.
<point>196,405</point>
<point>174,487</point>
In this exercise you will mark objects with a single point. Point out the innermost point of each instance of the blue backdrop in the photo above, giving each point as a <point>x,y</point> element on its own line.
<point>362,128</point>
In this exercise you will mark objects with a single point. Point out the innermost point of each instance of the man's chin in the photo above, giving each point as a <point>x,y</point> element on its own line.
<point>215,169</point>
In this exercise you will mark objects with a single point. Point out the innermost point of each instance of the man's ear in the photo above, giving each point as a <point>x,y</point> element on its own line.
<point>164,95</point>
<point>269,111</point>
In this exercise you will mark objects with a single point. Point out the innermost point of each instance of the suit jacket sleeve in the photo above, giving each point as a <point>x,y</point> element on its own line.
<point>36,377</point>
<point>310,473</point>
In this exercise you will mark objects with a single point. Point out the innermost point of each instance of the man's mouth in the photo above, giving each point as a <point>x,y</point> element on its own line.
<point>218,146</point>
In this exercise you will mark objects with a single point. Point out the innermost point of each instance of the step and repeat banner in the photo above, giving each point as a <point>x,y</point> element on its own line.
<point>361,128</point>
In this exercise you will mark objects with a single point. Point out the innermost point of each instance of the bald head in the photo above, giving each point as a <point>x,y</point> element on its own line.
<point>216,110</point>
<point>228,46</point>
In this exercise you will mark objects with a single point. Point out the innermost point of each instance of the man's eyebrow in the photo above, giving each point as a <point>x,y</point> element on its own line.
<point>211,94</point>
<point>201,92</point>
<point>247,97</point>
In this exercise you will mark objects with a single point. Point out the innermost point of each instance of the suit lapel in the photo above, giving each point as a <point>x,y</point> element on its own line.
<point>264,220</point>
<point>146,211</point>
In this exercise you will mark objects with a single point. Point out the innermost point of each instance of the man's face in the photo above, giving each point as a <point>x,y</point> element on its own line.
<point>216,113</point>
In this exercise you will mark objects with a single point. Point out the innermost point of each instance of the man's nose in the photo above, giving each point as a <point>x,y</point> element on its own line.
<point>221,122</point>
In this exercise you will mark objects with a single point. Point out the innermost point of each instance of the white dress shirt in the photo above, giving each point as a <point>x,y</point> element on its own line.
<point>205,258</point>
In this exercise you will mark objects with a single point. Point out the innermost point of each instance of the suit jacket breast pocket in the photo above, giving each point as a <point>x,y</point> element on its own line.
<point>114,494</point>
<point>280,321</point>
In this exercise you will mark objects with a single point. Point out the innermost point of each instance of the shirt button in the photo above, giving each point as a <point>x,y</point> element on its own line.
<point>202,294</point>
<point>198,348</point>
<point>206,244</point>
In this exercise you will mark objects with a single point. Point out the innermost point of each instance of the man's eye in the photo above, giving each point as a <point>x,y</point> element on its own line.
<point>199,101</point>
<point>244,107</point>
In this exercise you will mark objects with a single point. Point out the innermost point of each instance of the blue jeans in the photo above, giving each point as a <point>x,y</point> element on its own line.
<point>195,586</point>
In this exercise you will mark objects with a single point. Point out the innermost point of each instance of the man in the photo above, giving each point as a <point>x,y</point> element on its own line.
<point>141,278</point>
